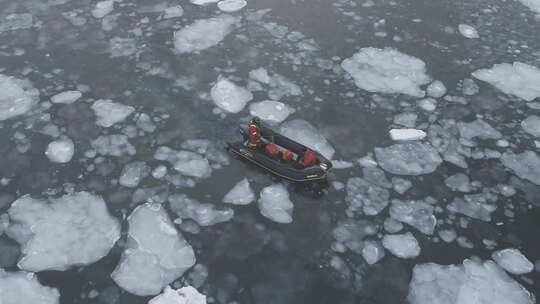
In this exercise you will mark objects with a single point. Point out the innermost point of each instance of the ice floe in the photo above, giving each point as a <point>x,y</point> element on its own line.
<point>109,113</point>
<point>518,79</point>
<point>67,97</point>
<point>306,134</point>
<point>478,206</point>
<point>230,97</point>
<point>103,8</point>
<point>459,182</point>
<point>173,12</point>
<point>407,134</point>
<point>418,214</point>
<point>133,173</point>
<point>366,196</point>
<point>113,145</point>
<point>240,194</point>
<point>15,98</point>
<point>184,295</point>
<point>122,47</point>
<point>478,128</point>
<point>14,22</point>
<point>402,245</point>
<point>156,253</point>
<point>275,204</point>
<point>513,261</point>
<point>230,6</point>
<point>60,150</point>
<point>372,252</point>
<point>409,158</point>
<point>526,165</point>
<point>203,2</point>
<point>472,282</point>
<point>270,111</point>
<point>204,33</point>
<point>533,5</point>
<point>436,89</point>
<point>24,288</point>
<point>387,71</point>
<point>186,162</point>
<point>203,213</point>
<point>60,233</point>
<point>531,125</point>
<point>468,31</point>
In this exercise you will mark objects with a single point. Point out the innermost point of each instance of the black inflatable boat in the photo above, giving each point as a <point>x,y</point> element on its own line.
<point>290,170</point>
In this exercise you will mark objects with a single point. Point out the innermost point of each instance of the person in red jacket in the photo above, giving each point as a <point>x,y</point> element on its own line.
<point>309,159</point>
<point>254,135</point>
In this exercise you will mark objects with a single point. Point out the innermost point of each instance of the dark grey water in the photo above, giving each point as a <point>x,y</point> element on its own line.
<point>251,259</point>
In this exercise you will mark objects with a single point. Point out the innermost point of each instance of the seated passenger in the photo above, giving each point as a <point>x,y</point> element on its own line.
<point>309,159</point>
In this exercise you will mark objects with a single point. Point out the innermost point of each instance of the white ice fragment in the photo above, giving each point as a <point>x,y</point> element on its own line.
<point>306,134</point>
<point>475,206</point>
<point>526,165</point>
<point>427,104</point>
<point>275,204</point>
<point>67,97</point>
<point>240,194</point>
<point>418,214</point>
<point>184,295</point>
<point>341,164</point>
<point>24,288</point>
<point>472,282</point>
<point>478,128</point>
<point>113,145</point>
<point>15,100</point>
<point>436,89</point>
<point>202,213</point>
<point>533,5</point>
<point>173,12</point>
<point>468,31</point>
<point>260,75</point>
<point>204,33</point>
<point>518,79</point>
<point>230,6</point>
<point>122,47</point>
<point>230,97</point>
<point>270,111</point>
<point>387,71</point>
<point>109,113</point>
<point>409,158</point>
<point>103,8</point>
<point>513,261</point>
<point>157,254</point>
<point>60,233</point>
<point>372,252</point>
<point>458,182</point>
<point>402,245</point>
<point>60,150</point>
<point>159,172</point>
<point>133,173</point>
<point>203,2</point>
<point>407,134</point>
<point>447,235</point>
<point>531,125</point>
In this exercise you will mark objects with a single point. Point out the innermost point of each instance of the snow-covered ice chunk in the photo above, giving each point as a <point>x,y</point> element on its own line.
<point>122,47</point>
<point>387,71</point>
<point>260,75</point>
<point>240,194</point>
<point>109,113</point>
<point>173,12</point>
<point>15,100</point>
<point>156,253</point>
<point>202,213</point>
<point>427,104</point>
<point>14,22</point>
<point>475,206</point>
<point>24,288</point>
<point>230,6</point>
<point>478,128</point>
<point>60,150</point>
<point>407,134</point>
<point>133,173</point>
<point>204,33</point>
<point>468,31</point>
<point>271,111</point>
<point>458,182</point>
<point>372,252</point>
<point>67,97</point>
<point>409,158</point>
<point>275,204</point>
<point>469,87</point>
<point>368,197</point>
<point>113,145</point>
<point>518,79</point>
<point>186,162</point>
<point>531,125</point>
<point>402,245</point>
<point>447,235</point>
<point>401,185</point>
<point>184,295</point>
<point>472,282</point>
<point>203,2</point>
<point>230,97</point>
<point>306,134</point>
<point>513,261</point>
<point>526,165</point>
<point>351,233</point>
<point>418,214</point>
<point>60,233</point>
<point>103,8</point>
<point>533,5</point>
<point>436,89</point>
